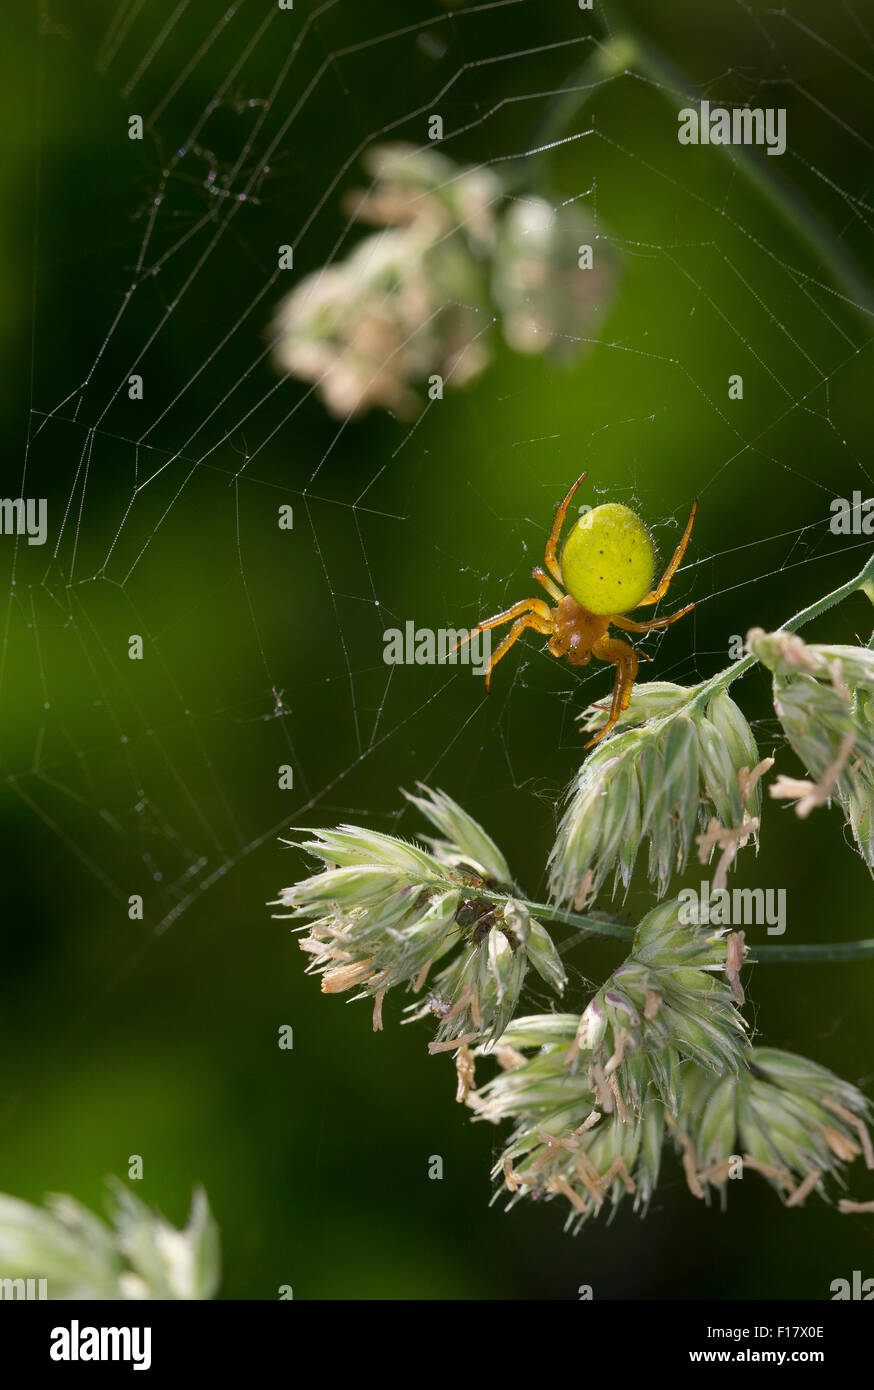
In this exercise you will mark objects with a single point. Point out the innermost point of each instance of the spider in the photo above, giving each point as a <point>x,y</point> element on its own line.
<point>578,625</point>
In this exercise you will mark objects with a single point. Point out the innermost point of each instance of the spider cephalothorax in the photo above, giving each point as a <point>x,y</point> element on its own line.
<point>606,569</point>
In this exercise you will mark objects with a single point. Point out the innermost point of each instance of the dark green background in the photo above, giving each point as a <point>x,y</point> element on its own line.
<point>119,1039</point>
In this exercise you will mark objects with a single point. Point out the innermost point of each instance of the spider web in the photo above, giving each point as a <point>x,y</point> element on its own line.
<point>262,647</point>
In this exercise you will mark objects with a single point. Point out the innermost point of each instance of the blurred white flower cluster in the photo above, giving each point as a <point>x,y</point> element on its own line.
<point>137,1255</point>
<point>416,300</point>
<point>550,297</point>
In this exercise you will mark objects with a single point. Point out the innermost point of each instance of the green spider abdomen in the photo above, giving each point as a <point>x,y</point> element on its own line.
<point>608,560</point>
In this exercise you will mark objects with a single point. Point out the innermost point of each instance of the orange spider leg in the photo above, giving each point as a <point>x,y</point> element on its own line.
<point>531,608</point>
<point>624,658</point>
<point>534,620</point>
<point>543,578</point>
<point>525,605</point>
<point>550,558</point>
<point>661,588</point>
<point>629,625</point>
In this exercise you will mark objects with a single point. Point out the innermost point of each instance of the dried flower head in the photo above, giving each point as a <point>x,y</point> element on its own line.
<point>387,910</point>
<point>667,1002</point>
<point>775,1113</point>
<point>563,1144</point>
<point>590,1106</point>
<point>781,1115</point>
<point>824,697</point>
<point>673,764</point>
